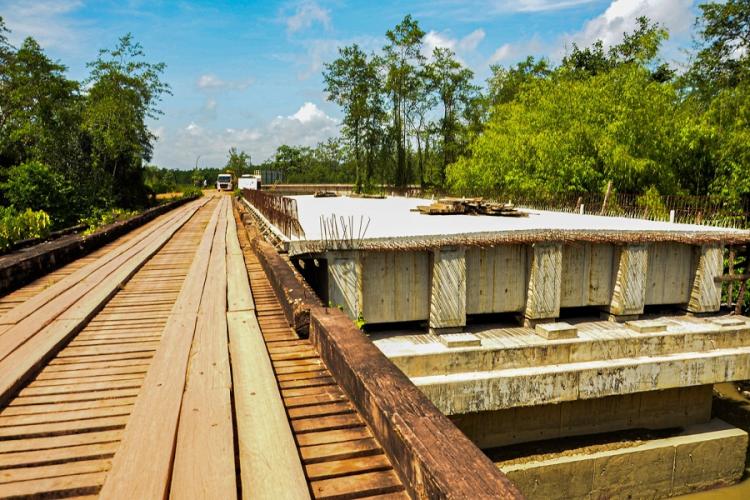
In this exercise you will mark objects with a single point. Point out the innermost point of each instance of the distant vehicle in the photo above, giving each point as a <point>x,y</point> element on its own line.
<point>248,181</point>
<point>224,182</point>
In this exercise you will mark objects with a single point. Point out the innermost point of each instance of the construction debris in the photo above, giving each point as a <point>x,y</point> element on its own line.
<point>469,206</point>
<point>325,194</point>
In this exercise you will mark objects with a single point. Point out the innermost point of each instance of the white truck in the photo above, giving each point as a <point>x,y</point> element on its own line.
<point>248,181</point>
<point>224,182</point>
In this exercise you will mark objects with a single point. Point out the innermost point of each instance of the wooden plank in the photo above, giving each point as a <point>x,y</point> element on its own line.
<point>239,296</point>
<point>332,422</point>
<point>335,468</point>
<point>204,454</point>
<point>265,441</point>
<point>82,452</point>
<point>370,483</point>
<point>55,442</point>
<point>340,451</point>
<point>54,486</point>
<point>152,440</point>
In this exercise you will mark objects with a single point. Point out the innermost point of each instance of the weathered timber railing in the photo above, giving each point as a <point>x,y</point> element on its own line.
<point>278,210</point>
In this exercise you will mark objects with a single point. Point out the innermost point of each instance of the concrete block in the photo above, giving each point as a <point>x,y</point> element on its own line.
<point>714,461</point>
<point>669,273</point>
<point>395,286</point>
<point>556,331</point>
<point>496,279</point>
<point>647,326</point>
<point>703,456</point>
<point>460,340</point>
<point>728,321</point>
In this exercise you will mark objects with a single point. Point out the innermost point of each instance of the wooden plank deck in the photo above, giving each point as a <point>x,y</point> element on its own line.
<point>58,435</point>
<point>183,382</point>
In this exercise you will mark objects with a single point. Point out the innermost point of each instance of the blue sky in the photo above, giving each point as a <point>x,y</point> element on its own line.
<point>248,74</point>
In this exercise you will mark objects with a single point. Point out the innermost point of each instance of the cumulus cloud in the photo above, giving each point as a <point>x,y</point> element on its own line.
<point>47,21</point>
<point>308,126</point>
<point>620,17</point>
<point>209,82</point>
<point>460,46</point>
<point>306,14</point>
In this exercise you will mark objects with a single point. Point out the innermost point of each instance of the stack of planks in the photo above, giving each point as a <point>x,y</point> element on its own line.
<point>325,194</point>
<point>469,206</point>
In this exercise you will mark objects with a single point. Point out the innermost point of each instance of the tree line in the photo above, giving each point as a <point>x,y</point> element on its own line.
<point>602,115</point>
<point>75,148</point>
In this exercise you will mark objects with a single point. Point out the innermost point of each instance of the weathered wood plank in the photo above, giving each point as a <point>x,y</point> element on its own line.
<point>152,440</point>
<point>204,455</point>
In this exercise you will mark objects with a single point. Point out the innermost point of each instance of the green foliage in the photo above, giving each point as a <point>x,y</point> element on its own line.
<point>36,186</point>
<point>570,134</point>
<point>100,218</point>
<point>16,226</point>
<point>192,192</point>
<point>124,91</point>
<point>238,163</point>
<point>652,204</point>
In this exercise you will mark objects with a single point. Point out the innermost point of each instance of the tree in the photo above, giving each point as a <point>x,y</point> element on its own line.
<point>238,163</point>
<point>505,84</point>
<point>723,60</point>
<point>404,62</point>
<point>452,83</point>
<point>124,91</point>
<point>352,82</point>
<point>39,108</point>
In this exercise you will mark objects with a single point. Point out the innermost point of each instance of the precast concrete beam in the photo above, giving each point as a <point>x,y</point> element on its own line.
<point>629,292</point>
<point>705,294</point>
<point>448,290</point>
<point>544,284</point>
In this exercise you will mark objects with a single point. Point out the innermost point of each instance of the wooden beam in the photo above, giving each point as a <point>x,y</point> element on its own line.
<point>151,433</point>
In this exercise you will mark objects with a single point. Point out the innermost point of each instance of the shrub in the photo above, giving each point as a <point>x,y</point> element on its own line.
<point>16,226</point>
<point>100,218</point>
<point>192,192</point>
<point>35,186</point>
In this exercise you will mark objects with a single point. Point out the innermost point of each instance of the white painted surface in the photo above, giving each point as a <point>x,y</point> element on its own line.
<point>391,218</point>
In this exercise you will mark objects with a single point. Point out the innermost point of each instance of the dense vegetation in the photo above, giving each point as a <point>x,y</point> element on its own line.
<point>617,114</point>
<point>68,149</point>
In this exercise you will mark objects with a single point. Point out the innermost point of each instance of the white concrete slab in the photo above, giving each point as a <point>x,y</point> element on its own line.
<point>392,217</point>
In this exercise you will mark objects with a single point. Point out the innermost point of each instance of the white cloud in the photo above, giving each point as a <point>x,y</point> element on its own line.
<point>209,82</point>
<point>46,21</point>
<point>306,14</point>
<point>320,51</point>
<point>308,126</point>
<point>539,5</point>
<point>620,17</point>
<point>460,46</point>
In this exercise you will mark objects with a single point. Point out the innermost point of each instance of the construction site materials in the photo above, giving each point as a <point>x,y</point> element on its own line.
<point>469,206</point>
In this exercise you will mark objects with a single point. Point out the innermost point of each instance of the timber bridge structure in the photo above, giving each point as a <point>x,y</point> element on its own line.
<point>184,358</point>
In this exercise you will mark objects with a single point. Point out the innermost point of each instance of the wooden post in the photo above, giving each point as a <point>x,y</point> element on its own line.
<point>629,292</point>
<point>545,283</point>
<point>606,198</point>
